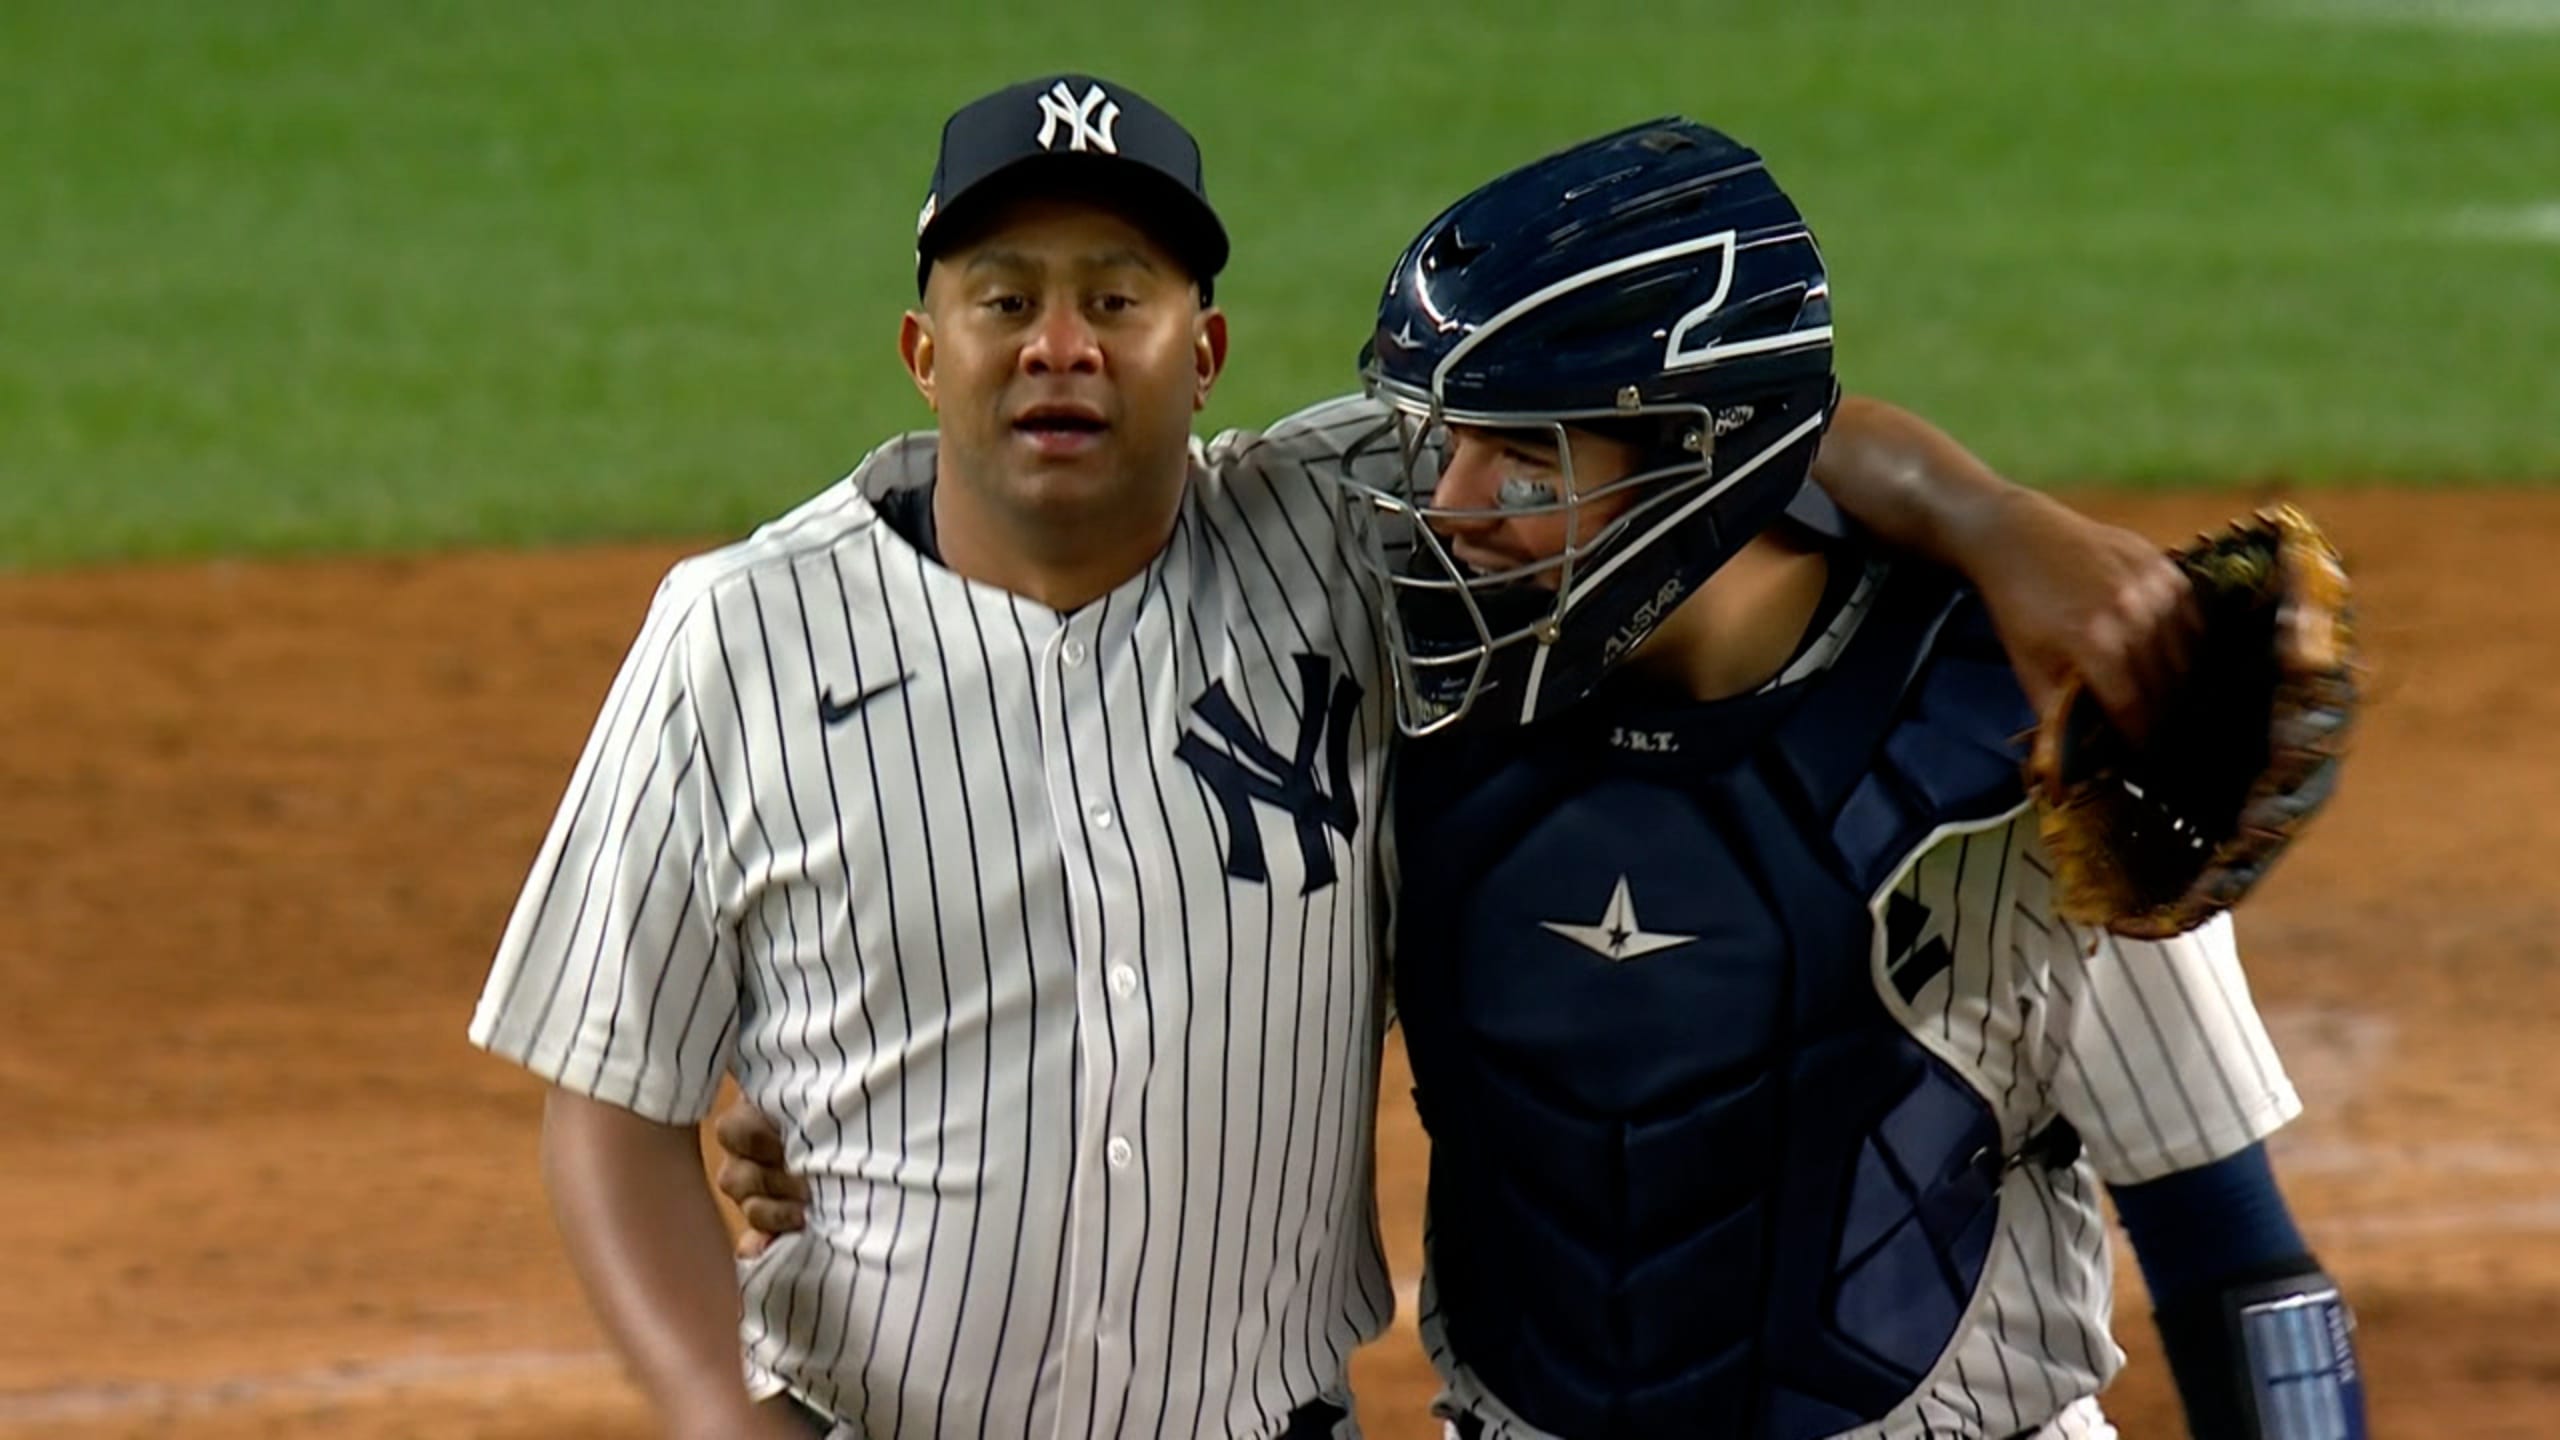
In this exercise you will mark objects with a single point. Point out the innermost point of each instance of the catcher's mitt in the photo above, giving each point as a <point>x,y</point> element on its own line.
<point>2154,841</point>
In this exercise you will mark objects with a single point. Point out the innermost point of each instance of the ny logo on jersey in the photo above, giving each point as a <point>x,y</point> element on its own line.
<point>1910,963</point>
<point>1089,121</point>
<point>1251,771</point>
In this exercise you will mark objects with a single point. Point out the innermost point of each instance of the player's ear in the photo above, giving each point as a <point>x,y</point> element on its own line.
<point>915,346</point>
<point>1208,354</point>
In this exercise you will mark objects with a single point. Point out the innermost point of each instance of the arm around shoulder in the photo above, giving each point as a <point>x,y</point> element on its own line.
<point>2069,594</point>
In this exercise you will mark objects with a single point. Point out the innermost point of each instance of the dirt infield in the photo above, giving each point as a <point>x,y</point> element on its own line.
<point>261,826</point>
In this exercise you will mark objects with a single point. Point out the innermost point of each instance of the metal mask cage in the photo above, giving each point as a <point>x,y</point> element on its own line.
<point>1501,610</point>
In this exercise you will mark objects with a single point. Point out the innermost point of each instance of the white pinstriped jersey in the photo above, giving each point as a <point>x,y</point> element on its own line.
<point>1052,941</point>
<point>2153,1051</point>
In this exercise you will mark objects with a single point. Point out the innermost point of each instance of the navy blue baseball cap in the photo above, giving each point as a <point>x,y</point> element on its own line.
<point>1080,136</point>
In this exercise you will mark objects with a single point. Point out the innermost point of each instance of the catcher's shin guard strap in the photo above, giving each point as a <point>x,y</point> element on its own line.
<point>2271,1359</point>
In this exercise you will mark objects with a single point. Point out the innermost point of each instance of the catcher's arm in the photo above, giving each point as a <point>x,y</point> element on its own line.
<point>2073,599</point>
<point>755,1173</point>
<point>2259,1337</point>
<point>2153,835</point>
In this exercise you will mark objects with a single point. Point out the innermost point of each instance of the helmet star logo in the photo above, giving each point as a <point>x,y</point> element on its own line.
<point>1406,338</point>
<point>1619,935</point>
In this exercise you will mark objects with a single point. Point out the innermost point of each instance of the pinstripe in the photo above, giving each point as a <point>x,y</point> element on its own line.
<point>2018,968</point>
<point>2173,1076</point>
<point>577,923</point>
<point>798,1261</point>
<point>2124,1062</point>
<point>1031,1053</point>
<point>862,988</point>
<point>1341,1125</point>
<point>1226,1056</point>
<point>897,928</point>
<point>782,729</point>
<point>1182,881</point>
<point>652,662</point>
<point>2080,1239</point>
<point>658,991</point>
<point>2234,1006</point>
<point>1955,927</point>
<point>1254,1187</point>
<point>1253,1183</point>
<point>1312,1146</point>
<point>942,968</point>
<point>631,937</point>
<point>986,959</point>
<point>701,977</point>
<point>1288,695</point>
<point>2000,1354</point>
<point>754,996</point>
<point>1965,1392</point>
<point>1992,986</point>
<point>1311,712</point>
<point>790,916</point>
<point>760,1001</point>
<point>1111,751</point>
<point>727,851</point>
<point>1075,1093</point>
<point>1110,1022</point>
<point>801,873</point>
<point>2054,1399</point>
<point>2199,1024</point>
<point>1315,708</point>
<point>1335,1132</point>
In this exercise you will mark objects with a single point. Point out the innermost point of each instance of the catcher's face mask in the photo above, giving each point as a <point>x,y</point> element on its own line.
<point>1493,534</point>
<point>1527,507</point>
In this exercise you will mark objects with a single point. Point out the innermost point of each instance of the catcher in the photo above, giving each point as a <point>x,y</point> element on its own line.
<point>1773,1047</point>
<point>1773,1044</point>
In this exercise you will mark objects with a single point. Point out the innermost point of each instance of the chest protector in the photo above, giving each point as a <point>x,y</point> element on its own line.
<point>1689,1176</point>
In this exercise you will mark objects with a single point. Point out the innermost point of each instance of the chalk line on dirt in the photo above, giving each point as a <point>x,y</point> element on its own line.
<point>353,1380</point>
<point>2400,1223</point>
<point>2337,1157</point>
<point>2332,1052</point>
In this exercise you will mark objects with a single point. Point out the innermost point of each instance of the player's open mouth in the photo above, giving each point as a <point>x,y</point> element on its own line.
<point>1061,429</point>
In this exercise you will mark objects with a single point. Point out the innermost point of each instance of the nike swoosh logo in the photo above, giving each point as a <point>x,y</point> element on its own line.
<point>836,712</point>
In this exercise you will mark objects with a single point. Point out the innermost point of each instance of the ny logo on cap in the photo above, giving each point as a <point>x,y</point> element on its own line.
<point>1089,121</point>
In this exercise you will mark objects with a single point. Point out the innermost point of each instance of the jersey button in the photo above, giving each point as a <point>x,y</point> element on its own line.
<point>1124,981</point>
<point>1073,652</point>
<point>1119,1150</point>
<point>1101,816</point>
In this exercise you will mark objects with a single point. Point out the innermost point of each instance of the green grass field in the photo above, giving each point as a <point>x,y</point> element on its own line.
<point>324,274</point>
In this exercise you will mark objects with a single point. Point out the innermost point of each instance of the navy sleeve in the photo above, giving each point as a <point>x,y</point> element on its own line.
<point>2213,1226</point>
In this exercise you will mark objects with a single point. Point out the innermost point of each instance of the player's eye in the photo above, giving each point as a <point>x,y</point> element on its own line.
<point>1116,304</point>
<point>1007,304</point>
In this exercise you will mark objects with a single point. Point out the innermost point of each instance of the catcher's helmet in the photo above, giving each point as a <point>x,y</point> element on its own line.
<point>1654,284</point>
